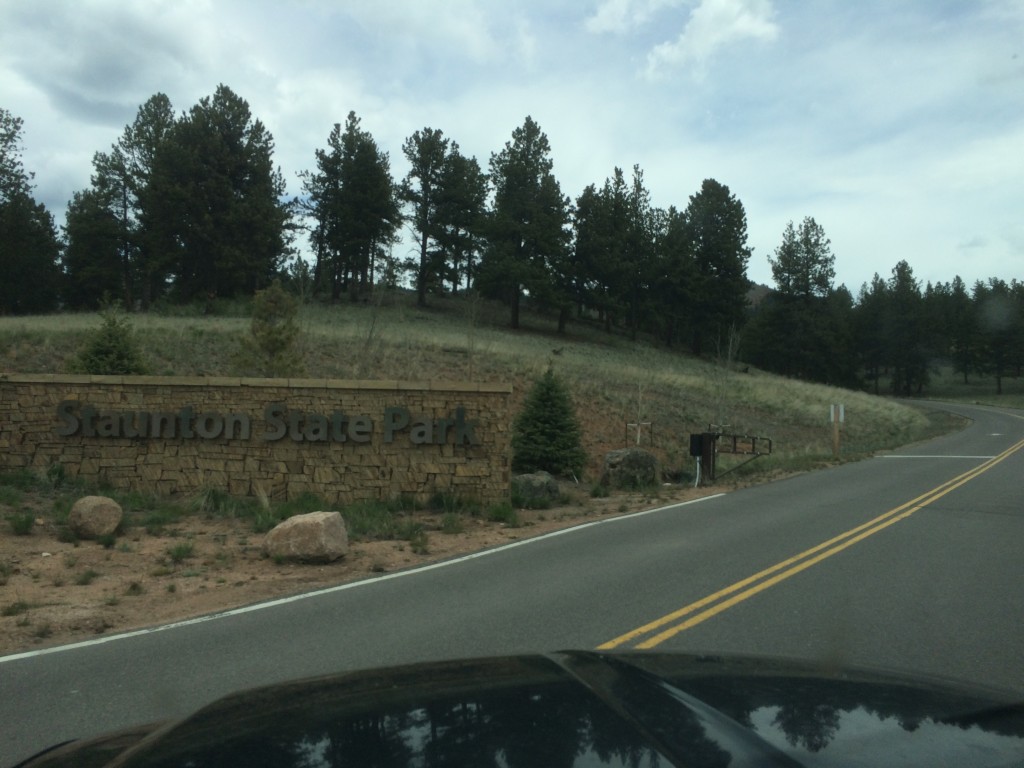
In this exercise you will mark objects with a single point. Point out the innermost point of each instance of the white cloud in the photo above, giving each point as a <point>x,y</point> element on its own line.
<point>465,28</point>
<point>618,16</point>
<point>714,24</point>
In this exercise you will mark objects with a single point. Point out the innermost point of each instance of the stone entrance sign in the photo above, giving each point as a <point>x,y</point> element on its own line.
<point>346,441</point>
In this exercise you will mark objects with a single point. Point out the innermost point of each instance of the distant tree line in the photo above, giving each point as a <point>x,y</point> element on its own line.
<point>894,332</point>
<point>189,207</point>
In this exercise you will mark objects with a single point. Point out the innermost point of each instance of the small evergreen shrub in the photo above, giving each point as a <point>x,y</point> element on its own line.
<point>111,350</point>
<point>271,346</point>
<point>546,434</point>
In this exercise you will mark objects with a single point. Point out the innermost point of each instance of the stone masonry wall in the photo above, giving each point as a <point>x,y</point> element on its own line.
<point>346,441</point>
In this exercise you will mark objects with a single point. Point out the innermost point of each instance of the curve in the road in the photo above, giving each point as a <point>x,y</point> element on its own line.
<point>648,636</point>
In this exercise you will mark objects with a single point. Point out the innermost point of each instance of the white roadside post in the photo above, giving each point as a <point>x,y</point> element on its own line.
<point>837,415</point>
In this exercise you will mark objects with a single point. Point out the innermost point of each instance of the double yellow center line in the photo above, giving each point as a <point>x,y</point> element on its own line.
<point>660,630</point>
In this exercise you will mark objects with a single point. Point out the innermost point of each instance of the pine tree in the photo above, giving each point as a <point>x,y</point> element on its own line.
<point>546,435</point>
<point>222,224</point>
<point>351,200</point>
<point>528,233</point>
<point>29,248</point>
<point>426,152</point>
<point>271,346</point>
<point>717,226</point>
<point>112,349</point>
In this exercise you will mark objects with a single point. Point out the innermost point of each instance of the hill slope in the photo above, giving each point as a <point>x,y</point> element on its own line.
<point>615,383</point>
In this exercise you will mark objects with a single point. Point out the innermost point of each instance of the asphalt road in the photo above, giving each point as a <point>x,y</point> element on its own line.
<point>910,562</point>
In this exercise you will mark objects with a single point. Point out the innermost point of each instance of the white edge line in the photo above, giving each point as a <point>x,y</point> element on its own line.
<point>921,456</point>
<point>341,587</point>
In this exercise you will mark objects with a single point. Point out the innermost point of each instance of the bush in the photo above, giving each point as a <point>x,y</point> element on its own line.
<point>15,608</point>
<point>181,551</point>
<point>546,435</point>
<point>503,513</point>
<point>452,523</point>
<point>21,523</point>
<point>111,349</point>
<point>86,577</point>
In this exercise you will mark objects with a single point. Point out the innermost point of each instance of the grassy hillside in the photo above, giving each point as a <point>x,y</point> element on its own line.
<point>614,382</point>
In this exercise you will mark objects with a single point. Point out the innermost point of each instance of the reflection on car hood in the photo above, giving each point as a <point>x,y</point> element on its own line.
<point>579,708</point>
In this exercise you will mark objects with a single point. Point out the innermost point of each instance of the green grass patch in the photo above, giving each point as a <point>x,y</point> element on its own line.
<point>86,577</point>
<point>452,523</point>
<point>301,505</point>
<point>531,502</point>
<point>369,521</point>
<point>21,523</point>
<point>14,609</point>
<point>453,503</point>
<point>264,519</point>
<point>215,503</point>
<point>11,496</point>
<point>19,479</point>
<point>503,513</point>
<point>156,521</point>
<point>134,589</point>
<point>412,531</point>
<point>181,551</point>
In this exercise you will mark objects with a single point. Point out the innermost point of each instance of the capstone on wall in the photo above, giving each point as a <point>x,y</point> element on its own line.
<point>346,441</point>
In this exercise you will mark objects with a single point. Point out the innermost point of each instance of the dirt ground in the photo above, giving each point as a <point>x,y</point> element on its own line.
<point>53,593</point>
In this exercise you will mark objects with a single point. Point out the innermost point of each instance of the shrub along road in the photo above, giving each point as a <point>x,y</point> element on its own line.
<point>909,561</point>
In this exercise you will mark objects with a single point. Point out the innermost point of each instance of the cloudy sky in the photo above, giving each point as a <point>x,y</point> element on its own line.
<point>897,124</point>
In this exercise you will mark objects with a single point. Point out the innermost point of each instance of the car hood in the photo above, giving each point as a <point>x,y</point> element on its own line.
<point>582,708</point>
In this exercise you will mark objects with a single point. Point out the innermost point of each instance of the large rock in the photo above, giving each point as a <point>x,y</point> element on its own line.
<point>95,516</point>
<point>535,487</point>
<point>316,537</point>
<point>630,468</point>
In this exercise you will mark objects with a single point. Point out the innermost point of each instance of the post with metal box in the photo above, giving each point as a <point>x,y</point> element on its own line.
<point>706,446</point>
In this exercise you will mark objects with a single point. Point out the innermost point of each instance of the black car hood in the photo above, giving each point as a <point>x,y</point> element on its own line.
<point>583,709</point>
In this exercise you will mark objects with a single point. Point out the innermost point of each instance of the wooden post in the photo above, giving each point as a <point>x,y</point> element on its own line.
<point>708,457</point>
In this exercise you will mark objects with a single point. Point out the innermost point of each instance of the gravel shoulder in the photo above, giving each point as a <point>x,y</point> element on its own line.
<point>54,592</point>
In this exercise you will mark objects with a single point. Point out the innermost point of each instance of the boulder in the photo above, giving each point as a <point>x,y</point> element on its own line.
<point>316,537</point>
<point>95,516</point>
<point>535,487</point>
<point>630,468</point>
